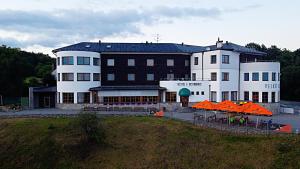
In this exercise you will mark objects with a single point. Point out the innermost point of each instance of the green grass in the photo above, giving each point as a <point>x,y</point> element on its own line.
<point>139,142</point>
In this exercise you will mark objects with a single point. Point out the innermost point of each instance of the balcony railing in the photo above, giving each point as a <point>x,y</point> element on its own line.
<point>258,60</point>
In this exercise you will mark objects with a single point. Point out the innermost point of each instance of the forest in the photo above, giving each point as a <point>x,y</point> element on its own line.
<point>20,69</point>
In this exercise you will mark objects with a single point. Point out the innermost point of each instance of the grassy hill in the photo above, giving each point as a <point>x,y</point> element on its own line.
<point>139,142</point>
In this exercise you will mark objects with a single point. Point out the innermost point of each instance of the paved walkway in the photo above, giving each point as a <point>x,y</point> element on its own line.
<point>54,111</point>
<point>294,120</point>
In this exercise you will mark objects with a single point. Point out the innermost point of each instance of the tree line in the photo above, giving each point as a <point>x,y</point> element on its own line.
<point>20,69</point>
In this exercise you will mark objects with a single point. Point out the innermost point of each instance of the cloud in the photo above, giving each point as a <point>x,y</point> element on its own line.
<point>49,28</point>
<point>52,28</point>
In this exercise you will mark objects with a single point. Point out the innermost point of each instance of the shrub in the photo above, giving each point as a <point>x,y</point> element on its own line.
<point>91,127</point>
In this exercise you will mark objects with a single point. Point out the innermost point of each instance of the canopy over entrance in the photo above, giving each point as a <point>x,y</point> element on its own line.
<point>184,92</point>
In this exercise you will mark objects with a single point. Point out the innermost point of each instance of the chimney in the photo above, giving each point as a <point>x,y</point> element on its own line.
<point>219,43</point>
<point>99,41</point>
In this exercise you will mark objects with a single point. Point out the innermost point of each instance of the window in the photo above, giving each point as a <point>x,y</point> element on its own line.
<point>186,62</point>
<point>110,100</point>
<point>246,76</point>
<point>225,76</point>
<point>265,76</point>
<point>213,76</point>
<point>58,61</point>
<point>213,59</point>
<point>170,76</point>
<point>68,98</point>
<point>246,96</point>
<point>213,96</point>
<point>130,62</point>
<point>265,97</point>
<point>197,92</point>
<point>67,76</point>
<point>194,76</point>
<point>83,60</point>
<point>150,77</point>
<point>150,99</point>
<point>150,62</point>
<point>225,96</point>
<point>58,76</point>
<point>67,60</point>
<point>273,76</point>
<point>170,96</point>
<point>202,93</point>
<point>131,77</point>
<point>83,97</point>
<point>110,62</point>
<point>278,76</point>
<point>110,77</point>
<point>273,97</point>
<point>225,59</point>
<point>255,97</point>
<point>83,77</point>
<point>170,62</point>
<point>234,96</point>
<point>96,61</point>
<point>192,93</point>
<point>255,76</point>
<point>58,97</point>
<point>96,76</point>
<point>186,77</point>
<point>196,59</point>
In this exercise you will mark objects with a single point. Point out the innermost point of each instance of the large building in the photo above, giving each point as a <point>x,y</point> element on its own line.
<point>150,73</point>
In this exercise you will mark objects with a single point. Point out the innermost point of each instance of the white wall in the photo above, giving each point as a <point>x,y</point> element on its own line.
<point>260,86</point>
<point>232,68</point>
<point>175,86</point>
<point>75,86</point>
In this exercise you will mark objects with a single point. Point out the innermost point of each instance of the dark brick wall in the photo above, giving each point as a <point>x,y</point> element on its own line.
<point>160,68</point>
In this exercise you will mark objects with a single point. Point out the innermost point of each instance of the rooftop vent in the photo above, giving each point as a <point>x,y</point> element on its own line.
<point>87,46</point>
<point>208,48</point>
<point>219,43</point>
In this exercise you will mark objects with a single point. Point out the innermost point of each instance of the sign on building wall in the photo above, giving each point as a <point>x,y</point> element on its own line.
<point>189,84</point>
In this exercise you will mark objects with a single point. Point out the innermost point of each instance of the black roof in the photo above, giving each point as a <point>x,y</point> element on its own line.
<point>154,48</point>
<point>132,47</point>
<point>138,87</point>
<point>236,48</point>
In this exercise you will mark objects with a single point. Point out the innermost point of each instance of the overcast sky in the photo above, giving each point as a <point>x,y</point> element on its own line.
<point>42,25</point>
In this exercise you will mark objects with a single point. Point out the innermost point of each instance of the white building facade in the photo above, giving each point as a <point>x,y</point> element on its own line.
<point>223,71</point>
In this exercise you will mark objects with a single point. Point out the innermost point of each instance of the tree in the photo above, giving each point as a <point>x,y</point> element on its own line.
<point>21,69</point>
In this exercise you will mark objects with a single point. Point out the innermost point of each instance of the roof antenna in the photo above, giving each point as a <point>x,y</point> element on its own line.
<point>157,38</point>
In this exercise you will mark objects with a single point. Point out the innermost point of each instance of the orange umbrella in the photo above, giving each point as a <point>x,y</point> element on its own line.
<point>255,109</point>
<point>207,105</point>
<point>196,105</point>
<point>228,106</point>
